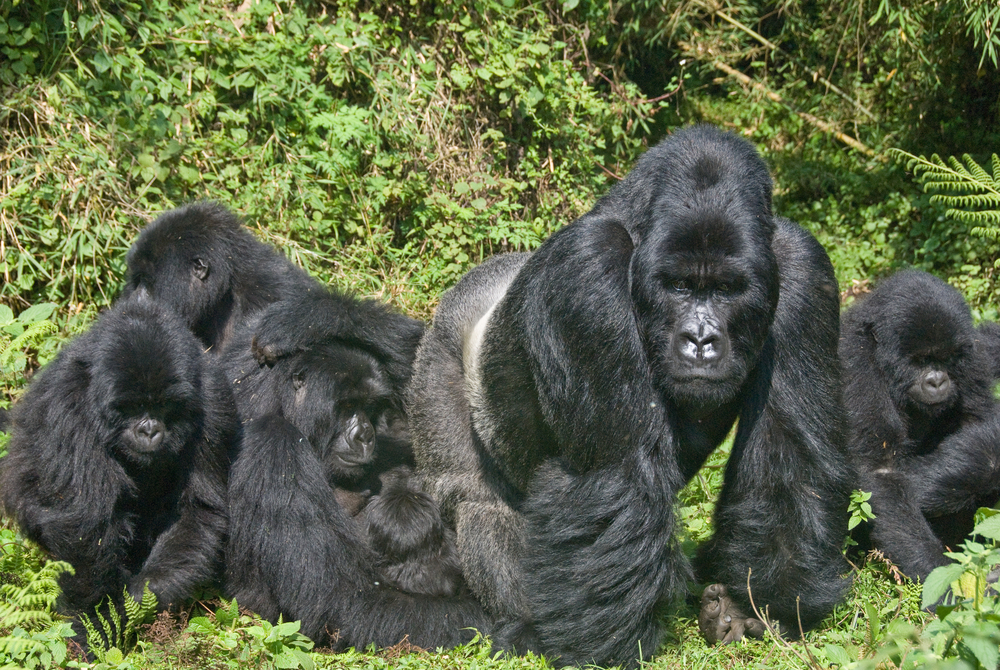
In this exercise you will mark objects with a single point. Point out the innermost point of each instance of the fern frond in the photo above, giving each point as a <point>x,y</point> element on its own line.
<point>31,603</point>
<point>18,646</point>
<point>31,336</point>
<point>137,613</point>
<point>971,194</point>
<point>991,232</point>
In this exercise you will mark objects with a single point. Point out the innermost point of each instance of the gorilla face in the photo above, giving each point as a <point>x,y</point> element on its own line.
<point>340,400</point>
<point>926,349</point>
<point>147,389</point>
<point>706,297</point>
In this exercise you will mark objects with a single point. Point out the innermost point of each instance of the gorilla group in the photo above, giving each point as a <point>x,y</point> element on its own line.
<point>562,399</point>
<point>925,429</point>
<point>514,468</point>
<point>318,378</point>
<point>118,459</point>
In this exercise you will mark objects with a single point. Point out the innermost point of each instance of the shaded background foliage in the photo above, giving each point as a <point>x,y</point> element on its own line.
<point>389,146</point>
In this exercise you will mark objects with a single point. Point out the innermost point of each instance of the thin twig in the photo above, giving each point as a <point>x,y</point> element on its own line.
<point>816,75</point>
<point>767,624</point>
<point>825,126</point>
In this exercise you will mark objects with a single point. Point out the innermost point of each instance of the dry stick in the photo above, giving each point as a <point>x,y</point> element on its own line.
<point>816,75</point>
<point>809,118</point>
<point>785,644</point>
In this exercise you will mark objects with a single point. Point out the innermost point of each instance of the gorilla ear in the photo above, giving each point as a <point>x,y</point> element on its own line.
<point>199,268</point>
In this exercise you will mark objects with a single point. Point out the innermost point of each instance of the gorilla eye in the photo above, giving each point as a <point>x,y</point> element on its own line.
<point>680,285</point>
<point>298,380</point>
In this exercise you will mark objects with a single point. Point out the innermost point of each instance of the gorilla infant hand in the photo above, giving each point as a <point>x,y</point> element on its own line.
<point>720,620</point>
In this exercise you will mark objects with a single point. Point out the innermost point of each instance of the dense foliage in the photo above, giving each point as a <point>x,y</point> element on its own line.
<point>388,146</point>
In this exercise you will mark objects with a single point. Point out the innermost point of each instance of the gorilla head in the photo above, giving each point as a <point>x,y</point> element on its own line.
<point>705,278</point>
<point>339,398</point>
<point>146,388</point>
<point>924,342</point>
<point>202,262</point>
<point>185,259</point>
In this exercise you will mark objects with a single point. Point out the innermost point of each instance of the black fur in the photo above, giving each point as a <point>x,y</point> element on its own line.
<point>118,459</point>
<point>293,550</point>
<point>417,551</point>
<point>924,432</point>
<point>988,337</point>
<point>561,400</point>
<point>205,264</point>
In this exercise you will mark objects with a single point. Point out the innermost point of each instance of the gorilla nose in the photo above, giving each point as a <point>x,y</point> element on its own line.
<point>363,440</point>
<point>701,344</point>
<point>936,384</point>
<point>150,432</point>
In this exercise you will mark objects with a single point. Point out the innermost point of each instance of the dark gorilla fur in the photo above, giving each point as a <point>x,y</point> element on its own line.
<point>205,264</point>
<point>925,434</point>
<point>293,550</point>
<point>417,551</point>
<point>118,459</point>
<point>561,400</point>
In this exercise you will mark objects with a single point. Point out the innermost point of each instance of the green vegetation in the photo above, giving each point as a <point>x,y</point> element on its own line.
<point>387,147</point>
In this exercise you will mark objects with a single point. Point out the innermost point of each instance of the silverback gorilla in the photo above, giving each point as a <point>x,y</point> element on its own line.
<point>118,459</point>
<point>317,419</point>
<point>562,399</point>
<point>925,429</point>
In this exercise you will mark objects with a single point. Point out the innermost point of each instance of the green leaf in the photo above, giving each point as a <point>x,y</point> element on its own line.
<point>838,654</point>
<point>982,639</point>
<point>37,312</point>
<point>85,24</point>
<point>989,528</point>
<point>938,583</point>
<point>102,62</point>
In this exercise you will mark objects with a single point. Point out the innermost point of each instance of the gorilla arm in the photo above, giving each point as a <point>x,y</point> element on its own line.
<point>588,441</point>
<point>782,513</point>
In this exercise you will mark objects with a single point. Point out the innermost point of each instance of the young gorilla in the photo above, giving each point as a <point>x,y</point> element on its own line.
<point>315,423</point>
<point>201,261</point>
<point>562,399</point>
<point>417,551</point>
<point>118,459</point>
<point>925,434</point>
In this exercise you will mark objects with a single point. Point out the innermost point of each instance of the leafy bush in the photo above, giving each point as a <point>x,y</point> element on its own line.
<point>402,142</point>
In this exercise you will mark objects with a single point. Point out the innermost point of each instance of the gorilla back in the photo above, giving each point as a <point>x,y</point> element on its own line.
<point>560,401</point>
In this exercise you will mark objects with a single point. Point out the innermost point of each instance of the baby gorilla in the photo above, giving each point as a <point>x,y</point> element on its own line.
<point>118,459</point>
<point>417,550</point>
